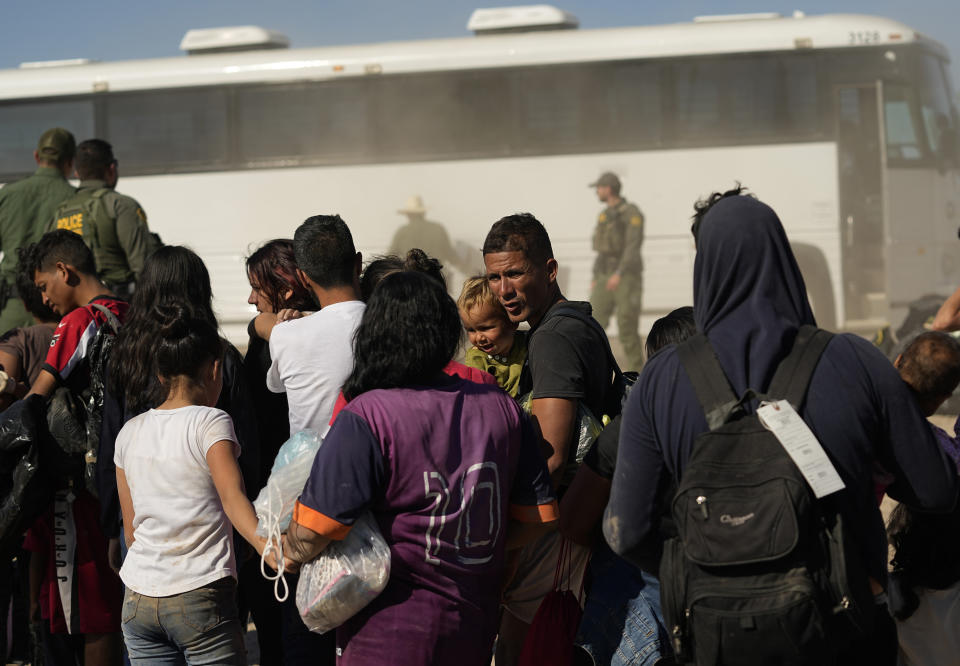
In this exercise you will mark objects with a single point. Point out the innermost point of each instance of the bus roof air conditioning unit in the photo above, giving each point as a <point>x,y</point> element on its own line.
<point>69,62</point>
<point>528,18</point>
<point>231,39</point>
<point>722,18</point>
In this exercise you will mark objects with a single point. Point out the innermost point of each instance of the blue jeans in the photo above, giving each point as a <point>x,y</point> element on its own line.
<point>622,622</point>
<point>196,627</point>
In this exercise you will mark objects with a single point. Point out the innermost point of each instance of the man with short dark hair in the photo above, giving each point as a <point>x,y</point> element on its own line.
<point>312,356</point>
<point>25,209</point>
<point>567,366</point>
<point>617,284</point>
<point>112,225</point>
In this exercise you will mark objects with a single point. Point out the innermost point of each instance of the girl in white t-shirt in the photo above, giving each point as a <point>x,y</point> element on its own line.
<point>180,491</point>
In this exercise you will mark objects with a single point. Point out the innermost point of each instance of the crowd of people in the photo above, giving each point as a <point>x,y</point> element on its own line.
<point>534,466</point>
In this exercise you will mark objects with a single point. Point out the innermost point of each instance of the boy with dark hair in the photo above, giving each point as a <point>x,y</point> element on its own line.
<point>312,356</point>
<point>79,594</point>
<point>112,225</point>
<point>64,272</point>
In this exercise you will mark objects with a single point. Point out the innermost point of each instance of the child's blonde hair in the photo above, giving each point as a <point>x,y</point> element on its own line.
<point>476,291</point>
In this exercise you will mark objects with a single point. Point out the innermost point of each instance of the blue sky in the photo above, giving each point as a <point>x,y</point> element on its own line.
<point>121,30</point>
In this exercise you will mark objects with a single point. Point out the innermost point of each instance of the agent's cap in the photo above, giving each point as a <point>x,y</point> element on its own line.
<point>56,145</point>
<point>414,206</point>
<point>607,179</point>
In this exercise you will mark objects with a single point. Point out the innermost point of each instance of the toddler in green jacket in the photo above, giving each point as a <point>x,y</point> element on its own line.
<point>497,346</point>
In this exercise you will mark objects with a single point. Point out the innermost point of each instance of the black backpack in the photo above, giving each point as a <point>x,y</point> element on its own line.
<point>762,571</point>
<point>74,420</point>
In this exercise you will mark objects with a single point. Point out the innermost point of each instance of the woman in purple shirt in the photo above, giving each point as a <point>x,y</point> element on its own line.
<point>449,469</point>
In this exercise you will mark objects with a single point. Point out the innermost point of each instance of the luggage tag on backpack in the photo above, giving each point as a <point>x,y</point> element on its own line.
<point>781,419</point>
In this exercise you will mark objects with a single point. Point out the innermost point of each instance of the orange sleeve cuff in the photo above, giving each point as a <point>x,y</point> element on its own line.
<point>538,513</point>
<point>319,523</point>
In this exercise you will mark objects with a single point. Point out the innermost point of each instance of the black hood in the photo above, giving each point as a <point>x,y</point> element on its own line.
<point>749,295</point>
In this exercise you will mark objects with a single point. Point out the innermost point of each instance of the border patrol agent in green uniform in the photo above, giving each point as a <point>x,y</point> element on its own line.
<point>618,269</point>
<point>26,208</point>
<point>113,225</point>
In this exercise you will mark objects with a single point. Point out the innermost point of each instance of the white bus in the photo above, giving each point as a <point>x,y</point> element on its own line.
<point>845,124</point>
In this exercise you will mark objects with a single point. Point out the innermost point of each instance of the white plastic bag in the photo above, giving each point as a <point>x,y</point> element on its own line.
<point>274,504</point>
<point>344,578</point>
<point>291,467</point>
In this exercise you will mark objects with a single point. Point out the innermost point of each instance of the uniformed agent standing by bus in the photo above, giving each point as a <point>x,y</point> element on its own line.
<point>26,207</point>
<point>113,225</point>
<point>618,269</point>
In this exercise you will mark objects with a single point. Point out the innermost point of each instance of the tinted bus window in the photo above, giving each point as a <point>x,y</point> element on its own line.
<point>901,126</point>
<point>416,117</point>
<point>800,96</point>
<point>551,107</point>
<point>320,121</point>
<point>485,113</point>
<point>168,131</point>
<point>21,125</point>
<point>630,106</point>
<point>749,100</point>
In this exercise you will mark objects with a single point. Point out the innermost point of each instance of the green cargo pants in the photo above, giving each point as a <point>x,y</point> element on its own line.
<point>626,301</point>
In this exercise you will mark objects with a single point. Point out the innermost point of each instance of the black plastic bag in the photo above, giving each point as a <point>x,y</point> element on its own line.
<point>25,488</point>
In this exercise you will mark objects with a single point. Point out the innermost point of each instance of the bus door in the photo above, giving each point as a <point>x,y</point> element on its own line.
<point>860,173</point>
<point>921,188</point>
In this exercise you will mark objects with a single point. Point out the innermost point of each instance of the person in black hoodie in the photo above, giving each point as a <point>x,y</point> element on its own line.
<point>750,301</point>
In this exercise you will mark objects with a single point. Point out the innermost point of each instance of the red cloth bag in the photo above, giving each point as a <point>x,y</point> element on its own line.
<point>549,641</point>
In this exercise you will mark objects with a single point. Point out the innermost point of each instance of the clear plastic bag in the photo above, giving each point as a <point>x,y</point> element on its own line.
<point>588,429</point>
<point>344,578</point>
<point>291,467</point>
<point>274,504</point>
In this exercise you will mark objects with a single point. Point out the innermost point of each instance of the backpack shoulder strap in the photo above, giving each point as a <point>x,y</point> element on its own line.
<point>112,319</point>
<point>792,377</point>
<point>713,391</point>
<point>566,310</point>
<point>611,401</point>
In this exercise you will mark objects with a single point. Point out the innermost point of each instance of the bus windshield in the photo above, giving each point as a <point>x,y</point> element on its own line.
<point>935,106</point>
<point>920,119</point>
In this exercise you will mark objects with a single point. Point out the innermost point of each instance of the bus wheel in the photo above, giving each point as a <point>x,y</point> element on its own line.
<point>816,275</point>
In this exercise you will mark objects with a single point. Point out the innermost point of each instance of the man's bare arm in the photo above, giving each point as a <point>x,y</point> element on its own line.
<point>301,544</point>
<point>555,417</point>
